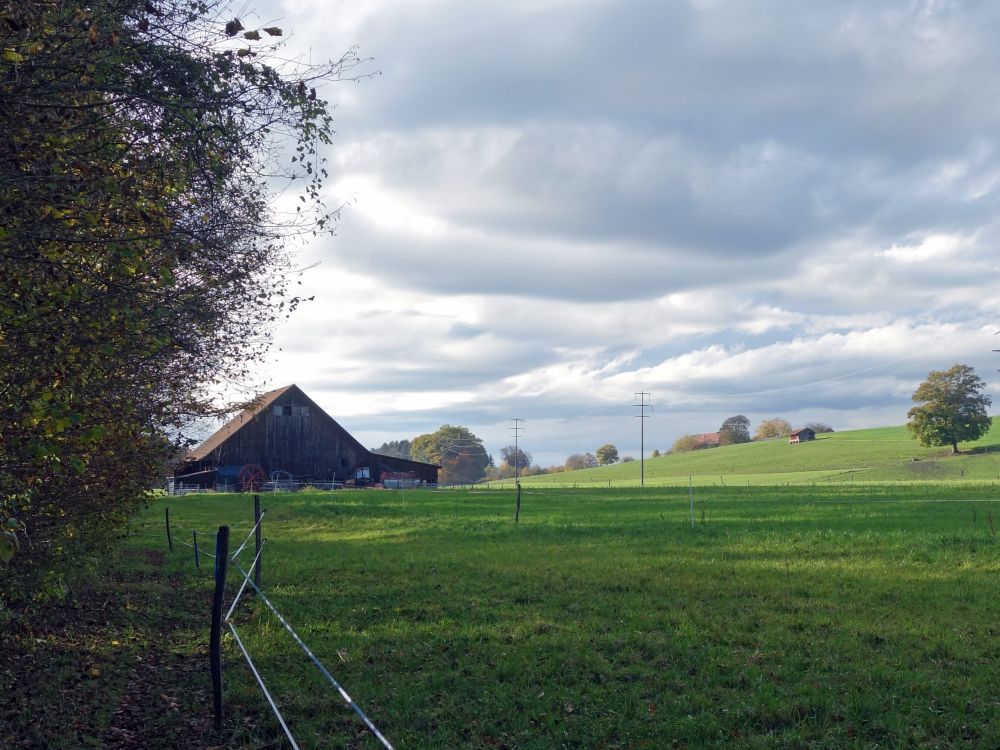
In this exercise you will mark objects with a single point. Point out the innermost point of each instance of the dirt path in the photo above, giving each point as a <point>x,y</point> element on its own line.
<point>121,663</point>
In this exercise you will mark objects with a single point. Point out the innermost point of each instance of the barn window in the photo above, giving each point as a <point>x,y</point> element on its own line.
<point>343,463</point>
<point>287,410</point>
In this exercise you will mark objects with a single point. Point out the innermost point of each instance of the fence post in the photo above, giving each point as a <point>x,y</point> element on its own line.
<point>257,540</point>
<point>215,637</point>
<point>170,539</point>
<point>517,506</point>
<point>194,538</point>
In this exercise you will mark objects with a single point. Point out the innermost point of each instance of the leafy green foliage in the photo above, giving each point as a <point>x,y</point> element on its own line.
<point>398,448</point>
<point>734,430</point>
<point>576,461</point>
<point>461,455</point>
<point>515,456</point>
<point>772,428</point>
<point>953,408</point>
<point>607,454</point>
<point>141,261</point>
<point>686,443</point>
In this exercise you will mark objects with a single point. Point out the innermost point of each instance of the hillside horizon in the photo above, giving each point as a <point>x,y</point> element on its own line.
<point>879,454</point>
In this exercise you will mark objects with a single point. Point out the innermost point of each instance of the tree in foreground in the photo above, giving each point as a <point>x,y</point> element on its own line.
<point>607,454</point>
<point>143,265</point>
<point>460,454</point>
<point>773,428</point>
<point>953,408</point>
<point>734,430</point>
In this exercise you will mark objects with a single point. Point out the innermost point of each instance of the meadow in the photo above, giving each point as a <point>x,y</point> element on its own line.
<point>822,617</point>
<point>883,454</point>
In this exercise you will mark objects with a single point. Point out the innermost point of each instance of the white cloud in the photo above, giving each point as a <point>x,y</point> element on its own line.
<point>762,208</point>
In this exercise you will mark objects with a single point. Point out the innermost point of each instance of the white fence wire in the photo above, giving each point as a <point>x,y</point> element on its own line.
<point>246,583</point>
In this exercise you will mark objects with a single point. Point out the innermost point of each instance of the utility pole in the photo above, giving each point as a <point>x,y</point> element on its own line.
<point>642,417</point>
<point>517,429</point>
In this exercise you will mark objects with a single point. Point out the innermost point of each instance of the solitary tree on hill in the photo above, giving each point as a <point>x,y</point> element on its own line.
<point>607,454</point>
<point>735,430</point>
<point>953,408</point>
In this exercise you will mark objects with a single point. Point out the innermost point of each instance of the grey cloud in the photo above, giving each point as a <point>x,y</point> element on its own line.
<point>533,267</point>
<point>585,155</point>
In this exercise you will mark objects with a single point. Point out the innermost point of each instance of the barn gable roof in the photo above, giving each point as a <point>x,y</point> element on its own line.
<point>261,404</point>
<point>230,428</point>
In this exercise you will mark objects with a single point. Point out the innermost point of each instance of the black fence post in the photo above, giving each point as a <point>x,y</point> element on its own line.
<point>215,638</point>
<point>194,538</point>
<point>170,539</point>
<point>517,507</point>
<point>258,539</point>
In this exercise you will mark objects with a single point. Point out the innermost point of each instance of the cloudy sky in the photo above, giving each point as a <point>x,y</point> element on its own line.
<point>768,208</point>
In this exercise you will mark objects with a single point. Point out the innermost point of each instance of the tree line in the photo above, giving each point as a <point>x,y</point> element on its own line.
<point>463,458</point>
<point>736,429</point>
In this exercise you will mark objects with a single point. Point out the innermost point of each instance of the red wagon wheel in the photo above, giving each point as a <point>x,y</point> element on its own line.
<point>251,478</point>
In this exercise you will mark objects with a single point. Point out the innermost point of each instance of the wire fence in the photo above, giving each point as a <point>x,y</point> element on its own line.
<point>250,582</point>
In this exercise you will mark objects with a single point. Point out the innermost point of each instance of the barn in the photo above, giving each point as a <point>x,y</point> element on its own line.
<point>801,435</point>
<point>284,437</point>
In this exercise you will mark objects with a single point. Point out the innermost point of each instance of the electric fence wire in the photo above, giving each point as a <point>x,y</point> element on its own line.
<point>191,546</point>
<point>260,682</point>
<point>246,579</point>
<point>250,535</point>
<point>312,657</point>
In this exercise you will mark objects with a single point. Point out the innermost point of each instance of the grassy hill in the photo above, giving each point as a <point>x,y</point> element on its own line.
<point>884,454</point>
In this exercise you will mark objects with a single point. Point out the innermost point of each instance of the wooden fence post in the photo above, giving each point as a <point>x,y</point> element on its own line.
<point>517,506</point>
<point>258,540</point>
<point>170,539</point>
<point>215,637</point>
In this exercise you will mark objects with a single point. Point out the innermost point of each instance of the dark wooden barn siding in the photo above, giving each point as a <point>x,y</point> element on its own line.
<point>426,472</point>
<point>291,434</point>
<point>304,443</point>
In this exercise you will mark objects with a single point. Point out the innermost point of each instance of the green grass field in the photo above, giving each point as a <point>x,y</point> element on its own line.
<point>788,617</point>
<point>885,454</point>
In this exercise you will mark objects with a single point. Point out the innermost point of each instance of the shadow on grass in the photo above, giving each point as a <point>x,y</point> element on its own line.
<point>982,449</point>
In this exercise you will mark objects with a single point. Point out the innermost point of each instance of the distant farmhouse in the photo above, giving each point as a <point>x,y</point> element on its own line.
<point>705,440</point>
<point>801,435</point>
<point>286,440</point>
